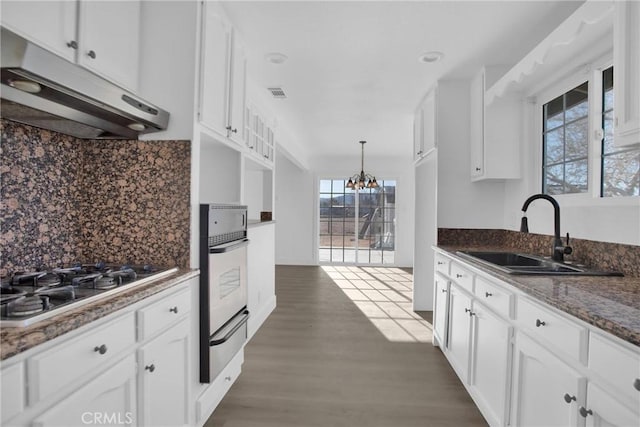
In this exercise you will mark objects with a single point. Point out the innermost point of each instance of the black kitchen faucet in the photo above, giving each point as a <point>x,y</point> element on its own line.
<point>558,248</point>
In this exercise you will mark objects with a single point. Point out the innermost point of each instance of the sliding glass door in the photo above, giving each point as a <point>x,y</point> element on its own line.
<point>357,226</point>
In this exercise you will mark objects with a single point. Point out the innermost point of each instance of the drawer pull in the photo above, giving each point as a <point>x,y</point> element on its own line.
<point>584,411</point>
<point>174,310</point>
<point>488,294</point>
<point>539,323</point>
<point>101,349</point>
<point>636,384</point>
<point>468,310</point>
<point>150,368</point>
<point>458,275</point>
<point>568,398</point>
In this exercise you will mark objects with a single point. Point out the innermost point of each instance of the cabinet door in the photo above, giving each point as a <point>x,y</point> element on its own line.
<point>429,121</point>
<point>110,398</point>
<point>237,81</point>
<point>418,150</point>
<point>547,392</point>
<point>109,40</point>
<point>164,378</point>
<point>490,363</point>
<point>215,56</point>
<point>50,24</point>
<point>459,331</point>
<point>476,124</point>
<point>626,70</point>
<point>441,303</point>
<point>604,410</point>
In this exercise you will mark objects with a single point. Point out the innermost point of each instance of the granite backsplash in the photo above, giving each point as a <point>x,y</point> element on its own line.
<point>66,200</point>
<point>596,255</point>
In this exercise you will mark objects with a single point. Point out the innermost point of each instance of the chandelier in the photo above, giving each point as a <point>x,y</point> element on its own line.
<point>362,180</point>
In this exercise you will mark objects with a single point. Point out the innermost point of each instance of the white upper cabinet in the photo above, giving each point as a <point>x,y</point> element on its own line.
<point>222,77</point>
<point>102,36</point>
<point>626,72</point>
<point>424,125</point>
<point>495,130</point>
<point>50,24</point>
<point>109,40</point>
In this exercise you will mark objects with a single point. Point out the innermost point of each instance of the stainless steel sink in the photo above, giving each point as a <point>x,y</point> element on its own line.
<point>525,264</point>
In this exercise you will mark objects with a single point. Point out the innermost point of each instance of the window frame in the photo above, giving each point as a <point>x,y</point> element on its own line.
<point>590,72</point>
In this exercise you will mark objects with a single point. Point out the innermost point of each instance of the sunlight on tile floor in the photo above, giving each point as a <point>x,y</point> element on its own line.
<point>384,295</point>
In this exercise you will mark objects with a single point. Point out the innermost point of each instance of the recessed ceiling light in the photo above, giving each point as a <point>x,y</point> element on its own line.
<point>275,57</point>
<point>428,57</point>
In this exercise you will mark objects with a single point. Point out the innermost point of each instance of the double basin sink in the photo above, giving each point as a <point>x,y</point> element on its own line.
<point>525,264</point>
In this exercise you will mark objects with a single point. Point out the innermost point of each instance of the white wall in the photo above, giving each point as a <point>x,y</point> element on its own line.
<point>294,213</point>
<point>462,203</point>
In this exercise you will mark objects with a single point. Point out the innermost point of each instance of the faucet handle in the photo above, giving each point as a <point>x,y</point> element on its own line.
<point>568,250</point>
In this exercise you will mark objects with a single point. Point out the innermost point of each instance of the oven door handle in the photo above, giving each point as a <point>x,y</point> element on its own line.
<point>242,320</point>
<point>228,247</point>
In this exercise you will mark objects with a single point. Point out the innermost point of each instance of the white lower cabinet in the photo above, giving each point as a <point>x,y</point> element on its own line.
<point>546,391</point>
<point>164,378</point>
<point>102,374</point>
<point>525,363</point>
<point>459,331</point>
<point>441,302</point>
<point>603,409</point>
<point>490,360</point>
<point>109,399</point>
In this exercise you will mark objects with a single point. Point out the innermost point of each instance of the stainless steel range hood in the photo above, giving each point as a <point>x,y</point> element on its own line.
<point>43,90</point>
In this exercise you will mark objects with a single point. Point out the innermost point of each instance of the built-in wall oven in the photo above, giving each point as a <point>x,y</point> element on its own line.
<point>223,286</point>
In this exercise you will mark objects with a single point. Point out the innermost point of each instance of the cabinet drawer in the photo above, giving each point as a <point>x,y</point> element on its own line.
<point>618,366</point>
<point>79,357</point>
<point>162,314</point>
<point>212,396</point>
<point>560,332</point>
<point>13,398</point>
<point>442,264</point>
<point>462,276</point>
<point>498,299</point>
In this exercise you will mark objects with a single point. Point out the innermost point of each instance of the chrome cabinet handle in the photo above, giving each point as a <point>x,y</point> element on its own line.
<point>636,384</point>
<point>488,294</point>
<point>91,54</point>
<point>150,368</point>
<point>72,44</point>
<point>100,349</point>
<point>539,323</point>
<point>584,411</point>
<point>568,398</point>
<point>174,310</point>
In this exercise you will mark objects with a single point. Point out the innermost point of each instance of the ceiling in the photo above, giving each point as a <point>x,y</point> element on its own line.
<point>353,72</point>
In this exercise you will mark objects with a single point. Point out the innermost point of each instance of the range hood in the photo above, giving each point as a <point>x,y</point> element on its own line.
<point>43,90</point>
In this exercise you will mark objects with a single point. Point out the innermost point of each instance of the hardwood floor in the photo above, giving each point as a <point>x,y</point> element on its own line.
<point>318,361</point>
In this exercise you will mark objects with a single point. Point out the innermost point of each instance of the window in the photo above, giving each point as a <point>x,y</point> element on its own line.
<point>357,226</point>
<point>569,122</point>
<point>566,142</point>
<point>620,165</point>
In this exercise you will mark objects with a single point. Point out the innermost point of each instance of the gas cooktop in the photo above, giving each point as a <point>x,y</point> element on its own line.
<point>28,297</point>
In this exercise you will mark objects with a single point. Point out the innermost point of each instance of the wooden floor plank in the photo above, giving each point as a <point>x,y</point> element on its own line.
<point>318,361</point>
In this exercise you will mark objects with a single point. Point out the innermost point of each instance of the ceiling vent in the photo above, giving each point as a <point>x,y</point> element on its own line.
<point>277,92</point>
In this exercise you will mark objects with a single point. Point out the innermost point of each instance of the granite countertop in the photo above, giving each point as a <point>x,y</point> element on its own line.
<point>609,303</point>
<point>14,340</point>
